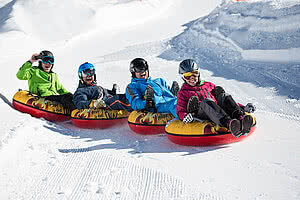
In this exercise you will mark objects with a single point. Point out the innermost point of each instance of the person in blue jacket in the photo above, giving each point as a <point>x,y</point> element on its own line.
<point>153,95</point>
<point>90,95</point>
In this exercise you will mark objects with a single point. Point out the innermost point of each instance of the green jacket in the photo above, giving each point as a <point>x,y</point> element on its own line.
<point>39,81</point>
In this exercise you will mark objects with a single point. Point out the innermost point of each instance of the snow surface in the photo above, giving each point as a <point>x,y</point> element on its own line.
<point>251,48</point>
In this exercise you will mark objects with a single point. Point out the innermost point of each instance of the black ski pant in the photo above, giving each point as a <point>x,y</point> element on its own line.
<point>219,113</point>
<point>209,110</point>
<point>227,103</point>
<point>118,102</point>
<point>64,99</point>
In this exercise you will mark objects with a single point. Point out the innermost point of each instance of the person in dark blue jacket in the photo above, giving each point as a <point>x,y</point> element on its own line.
<point>89,95</point>
<point>153,95</point>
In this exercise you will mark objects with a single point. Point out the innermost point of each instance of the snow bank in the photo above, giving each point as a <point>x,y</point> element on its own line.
<point>55,20</point>
<point>250,41</point>
<point>247,25</point>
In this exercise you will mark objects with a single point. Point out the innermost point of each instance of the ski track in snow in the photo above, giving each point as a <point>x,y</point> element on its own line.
<point>60,161</point>
<point>84,174</point>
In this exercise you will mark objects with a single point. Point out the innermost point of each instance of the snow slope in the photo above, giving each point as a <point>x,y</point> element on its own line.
<point>251,48</point>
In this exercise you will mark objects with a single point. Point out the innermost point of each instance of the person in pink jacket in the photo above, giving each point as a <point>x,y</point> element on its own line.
<point>199,99</point>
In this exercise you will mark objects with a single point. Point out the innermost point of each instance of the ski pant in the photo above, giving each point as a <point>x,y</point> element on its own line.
<point>64,99</point>
<point>167,107</point>
<point>221,112</point>
<point>227,103</point>
<point>118,102</point>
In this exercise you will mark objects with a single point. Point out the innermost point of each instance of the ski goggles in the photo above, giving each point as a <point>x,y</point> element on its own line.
<point>140,69</point>
<point>88,72</point>
<point>47,60</point>
<point>189,75</point>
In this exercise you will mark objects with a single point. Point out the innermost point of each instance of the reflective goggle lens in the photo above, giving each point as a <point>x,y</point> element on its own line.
<point>188,75</point>
<point>47,59</point>
<point>88,72</point>
<point>140,70</point>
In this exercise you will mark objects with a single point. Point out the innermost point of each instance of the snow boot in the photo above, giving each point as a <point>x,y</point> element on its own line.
<point>234,126</point>
<point>149,96</point>
<point>247,123</point>
<point>175,88</point>
<point>193,105</point>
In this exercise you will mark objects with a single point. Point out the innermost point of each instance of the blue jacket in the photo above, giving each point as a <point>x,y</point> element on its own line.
<point>164,100</point>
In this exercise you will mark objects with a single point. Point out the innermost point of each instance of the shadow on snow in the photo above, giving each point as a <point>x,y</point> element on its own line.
<point>122,138</point>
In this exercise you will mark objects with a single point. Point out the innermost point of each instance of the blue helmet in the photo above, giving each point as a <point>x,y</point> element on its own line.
<point>86,68</point>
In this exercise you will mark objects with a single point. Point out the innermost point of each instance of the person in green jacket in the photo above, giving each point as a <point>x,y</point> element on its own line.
<point>43,81</point>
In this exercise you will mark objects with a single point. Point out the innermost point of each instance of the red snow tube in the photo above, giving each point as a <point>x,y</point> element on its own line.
<point>98,118</point>
<point>148,123</point>
<point>201,133</point>
<point>36,106</point>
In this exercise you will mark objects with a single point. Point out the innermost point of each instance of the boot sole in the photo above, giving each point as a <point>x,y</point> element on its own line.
<point>235,128</point>
<point>247,123</point>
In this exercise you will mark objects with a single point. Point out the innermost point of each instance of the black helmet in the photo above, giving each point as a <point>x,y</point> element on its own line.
<point>46,53</point>
<point>48,56</point>
<point>188,65</point>
<point>138,65</point>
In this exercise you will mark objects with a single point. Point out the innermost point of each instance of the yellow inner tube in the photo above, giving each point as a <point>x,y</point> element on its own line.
<point>35,101</point>
<point>177,127</point>
<point>99,113</point>
<point>149,118</point>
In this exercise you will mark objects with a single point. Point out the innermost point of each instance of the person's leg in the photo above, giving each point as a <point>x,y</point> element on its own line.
<point>64,99</point>
<point>118,102</point>
<point>226,102</point>
<point>175,88</point>
<point>209,109</point>
<point>213,111</point>
<point>168,107</point>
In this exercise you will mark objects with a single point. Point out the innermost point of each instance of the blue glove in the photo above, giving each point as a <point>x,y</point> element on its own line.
<point>250,108</point>
<point>188,118</point>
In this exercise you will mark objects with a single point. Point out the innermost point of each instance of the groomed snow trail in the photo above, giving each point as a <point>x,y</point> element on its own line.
<point>75,171</point>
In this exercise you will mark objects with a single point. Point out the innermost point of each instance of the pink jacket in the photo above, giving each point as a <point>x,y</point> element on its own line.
<point>186,92</point>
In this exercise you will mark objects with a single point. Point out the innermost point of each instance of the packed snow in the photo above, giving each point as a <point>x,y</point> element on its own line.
<point>250,47</point>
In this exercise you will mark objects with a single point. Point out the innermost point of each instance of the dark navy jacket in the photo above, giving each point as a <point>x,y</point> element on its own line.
<point>86,93</point>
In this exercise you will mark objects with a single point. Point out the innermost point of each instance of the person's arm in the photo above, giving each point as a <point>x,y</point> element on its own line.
<point>80,99</point>
<point>25,72</point>
<point>136,100</point>
<point>181,107</point>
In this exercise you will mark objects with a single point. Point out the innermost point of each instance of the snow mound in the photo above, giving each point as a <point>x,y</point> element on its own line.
<point>55,20</point>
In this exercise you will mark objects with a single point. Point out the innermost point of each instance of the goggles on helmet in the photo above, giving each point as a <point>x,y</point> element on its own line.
<point>188,75</point>
<point>47,59</point>
<point>88,72</point>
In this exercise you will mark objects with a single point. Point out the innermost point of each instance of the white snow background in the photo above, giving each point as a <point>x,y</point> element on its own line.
<point>251,48</point>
